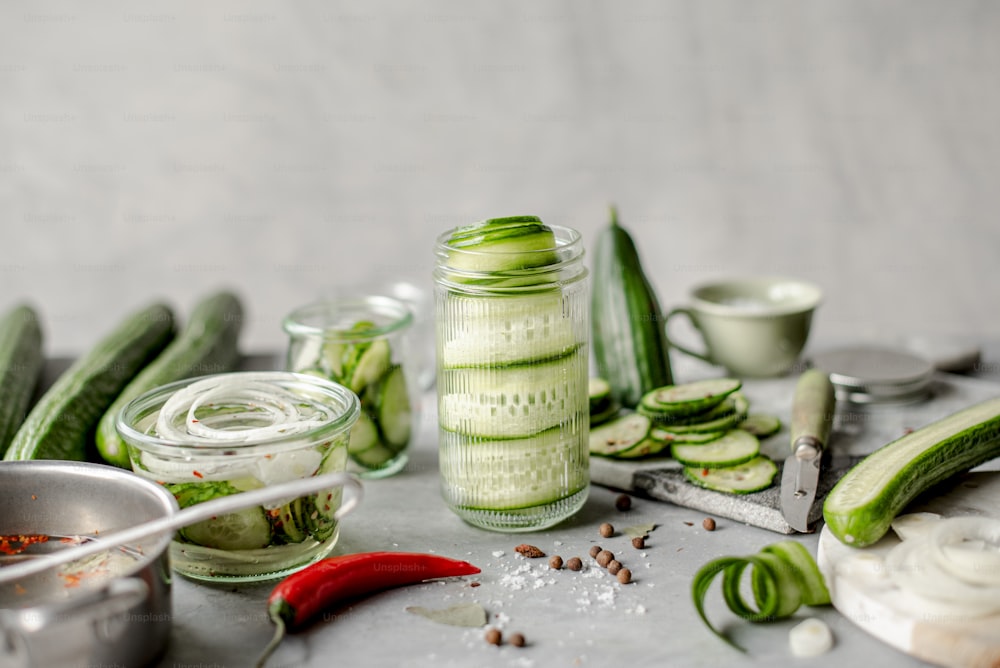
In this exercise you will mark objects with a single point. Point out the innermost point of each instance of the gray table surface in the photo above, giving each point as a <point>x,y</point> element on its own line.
<point>569,618</point>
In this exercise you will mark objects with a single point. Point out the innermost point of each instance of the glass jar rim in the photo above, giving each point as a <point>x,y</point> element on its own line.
<point>399,314</point>
<point>154,399</point>
<point>567,267</point>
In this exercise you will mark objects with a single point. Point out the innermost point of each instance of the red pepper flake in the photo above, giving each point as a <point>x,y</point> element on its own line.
<point>197,474</point>
<point>34,498</point>
<point>19,590</point>
<point>195,420</point>
<point>704,473</point>
<point>16,544</point>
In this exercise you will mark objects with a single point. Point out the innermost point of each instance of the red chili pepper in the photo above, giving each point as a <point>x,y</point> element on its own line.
<point>301,597</point>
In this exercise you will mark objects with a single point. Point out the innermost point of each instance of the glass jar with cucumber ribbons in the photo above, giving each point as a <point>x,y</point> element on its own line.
<point>364,344</point>
<point>511,330</point>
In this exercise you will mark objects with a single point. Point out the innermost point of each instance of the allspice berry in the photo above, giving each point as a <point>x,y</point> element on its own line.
<point>556,562</point>
<point>494,637</point>
<point>516,639</point>
<point>605,557</point>
<point>623,502</point>
<point>607,531</point>
<point>574,564</point>
<point>614,567</point>
<point>708,523</point>
<point>624,576</point>
<point>595,550</point>
<point>639,542</point>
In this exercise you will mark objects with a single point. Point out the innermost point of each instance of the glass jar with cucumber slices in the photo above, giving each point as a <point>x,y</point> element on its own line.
<point>364,344</point>
<point>512,324</point>
<point>228,433</point>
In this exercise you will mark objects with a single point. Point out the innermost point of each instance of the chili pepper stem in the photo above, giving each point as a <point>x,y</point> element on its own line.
<point>279,635</point>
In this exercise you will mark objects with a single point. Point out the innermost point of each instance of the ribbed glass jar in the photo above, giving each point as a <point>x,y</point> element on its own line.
<point>512,346</point>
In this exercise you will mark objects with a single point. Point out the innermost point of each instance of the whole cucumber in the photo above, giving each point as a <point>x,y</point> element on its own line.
<point>630,343</point>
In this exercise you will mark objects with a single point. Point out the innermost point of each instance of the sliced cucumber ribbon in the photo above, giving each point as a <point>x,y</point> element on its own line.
<point>783,577</point>
<point>249,398</point>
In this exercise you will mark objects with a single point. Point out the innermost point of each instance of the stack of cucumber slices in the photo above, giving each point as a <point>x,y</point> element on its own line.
<point>704,425</point>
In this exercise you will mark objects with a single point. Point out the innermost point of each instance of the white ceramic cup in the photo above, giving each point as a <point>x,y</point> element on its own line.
<point>754,326</point>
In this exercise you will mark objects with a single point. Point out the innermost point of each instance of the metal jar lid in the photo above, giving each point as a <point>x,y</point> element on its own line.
<point>870,375</point>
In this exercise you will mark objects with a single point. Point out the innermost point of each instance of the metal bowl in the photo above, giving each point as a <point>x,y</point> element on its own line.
<point>111,609</point>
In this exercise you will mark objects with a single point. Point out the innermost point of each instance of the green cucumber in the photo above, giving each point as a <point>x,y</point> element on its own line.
<point>207,344</point>
<point>247,529</point>
<point>508,330</point>
<point>62,422</point>
<point>607,413</point>
<point>619,435</point>
<point>512,401</point>
<point>599,392</point>
<point>320,511</point>
<point>752,476</point>
<point>364,435</point>
<point>667,436</point>
<point>502,244</point>
<point>513,474</point>
<point>690,398</point>
<point>373,360</point>
<point>736,447</point>
<point>761,425</point>
<point>649,447</point>
<point>21,362</point>
<point>723,409</point>
<point>863,503</point>
<point>392,406</point>
<point>629,340</point>
<point>288,522</point>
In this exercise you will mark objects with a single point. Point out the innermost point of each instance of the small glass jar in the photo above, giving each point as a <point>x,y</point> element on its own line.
<point>363,343</point>
<point>217,435</point>
<point>512,383</point>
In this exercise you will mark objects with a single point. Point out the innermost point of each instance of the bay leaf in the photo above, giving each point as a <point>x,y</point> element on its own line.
<point>638,530</point>
<point>464,614</point>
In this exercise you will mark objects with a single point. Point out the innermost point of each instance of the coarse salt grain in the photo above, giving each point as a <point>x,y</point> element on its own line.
<point>498,553</point>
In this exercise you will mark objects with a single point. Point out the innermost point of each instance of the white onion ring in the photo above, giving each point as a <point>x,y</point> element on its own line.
<point>264,401</point>
<point>976,567</point>
<point>919,566</point>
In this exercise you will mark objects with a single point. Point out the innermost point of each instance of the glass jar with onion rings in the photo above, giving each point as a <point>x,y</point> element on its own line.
<point>218,435</point>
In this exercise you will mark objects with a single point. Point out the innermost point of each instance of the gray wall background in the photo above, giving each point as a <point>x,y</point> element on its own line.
<point>162,149</point>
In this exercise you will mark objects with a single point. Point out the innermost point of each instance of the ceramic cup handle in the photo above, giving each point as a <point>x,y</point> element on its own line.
<point>683,310</point>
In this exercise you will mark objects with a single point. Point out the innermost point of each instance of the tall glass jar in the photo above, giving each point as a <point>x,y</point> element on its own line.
<point>512,346</point>
<point>363,343</point>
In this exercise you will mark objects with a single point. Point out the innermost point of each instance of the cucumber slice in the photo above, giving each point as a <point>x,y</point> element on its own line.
<point>247,529</point>
<point>752,476</point>
<point>599,391</point>
<point>392,406</point>
<point>372,362</point>
<point>736,447</point>
<point>689,398</point>
<point>726,407</point>
<point>667,436</point>
<point>319,513</point>
<point>508,330</point>
<point>374,457</point>
<point>723,424</point>
<point>761,425</point>
<point>364,435</point>
<point>514,474</point>
<point>607,413</point>
<point>288,522</point>
<point>649,447</point>
<point>513,401</point>
<point>613,438</point>
<point>502,244</point>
